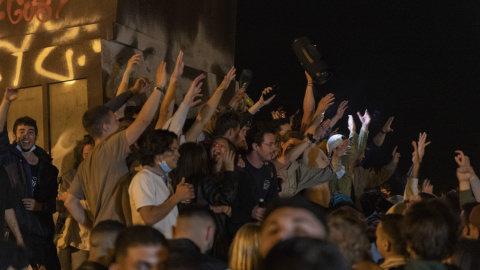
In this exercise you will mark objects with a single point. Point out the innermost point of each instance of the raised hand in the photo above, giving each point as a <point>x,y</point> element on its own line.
<point>422,138</point>
<point>276,115</point>
<point>387,127</point>
<point>264,92</point>
<point>229,160</point>
<point>365,118</point>
<point>395,155</point>
<point>194,91</point>
<point>10,94</point>
<point>427,187</point>
<point>133,63</point>
<point>325,102</point>
<point>140,86</point>
<point>341,109</point>
<point>179,65</point>
<point>161,76</point>
<point>351,124</point>
<point>465,171</point>
<point>228,79</point>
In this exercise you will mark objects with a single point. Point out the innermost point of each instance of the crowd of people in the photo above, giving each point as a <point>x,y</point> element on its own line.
<point>151,189</point>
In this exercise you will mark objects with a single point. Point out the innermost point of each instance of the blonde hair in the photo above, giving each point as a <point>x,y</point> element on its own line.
<point>238,103</point>
<point>244,253</point>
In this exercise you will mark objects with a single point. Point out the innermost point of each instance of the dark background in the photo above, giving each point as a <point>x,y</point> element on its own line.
<point>416,60</point>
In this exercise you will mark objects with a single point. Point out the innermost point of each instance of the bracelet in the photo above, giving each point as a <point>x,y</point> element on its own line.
<point>161,89</point>
<point>311,139</point>
<point>309,84</point>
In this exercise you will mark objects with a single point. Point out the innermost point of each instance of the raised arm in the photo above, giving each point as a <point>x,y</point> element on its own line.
<point>380,137</point>
<point>178,119</point>
<point>323,105</point>
<point>308,103</point>
<point>149,109</point>
<point>9,95</point>
<point>132,65</point>
<point>171,91</point>
<point>466,175</point>
<point>117,104</point>
<point>340,111</point>
<point>350,155</point>
<point>365,119</point>
<point>381,176</point>
<point>411,188</point>
<point>261,103</point>
<point>209,108</point>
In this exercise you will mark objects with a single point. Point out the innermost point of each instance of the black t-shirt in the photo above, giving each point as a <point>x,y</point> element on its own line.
<point>7,199</point>
<point>265,184</point>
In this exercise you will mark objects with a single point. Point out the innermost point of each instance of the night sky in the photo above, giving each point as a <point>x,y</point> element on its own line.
<point>416,60</point>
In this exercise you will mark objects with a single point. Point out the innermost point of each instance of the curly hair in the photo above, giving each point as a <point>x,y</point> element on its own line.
<point>154,143</point>
<point>349,233</point>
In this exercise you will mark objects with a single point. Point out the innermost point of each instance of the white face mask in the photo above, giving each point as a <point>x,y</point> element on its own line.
<point>164,166</point>
<point>25,151</point>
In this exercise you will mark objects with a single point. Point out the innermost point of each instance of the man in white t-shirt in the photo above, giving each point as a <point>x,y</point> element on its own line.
<point>152,199</point>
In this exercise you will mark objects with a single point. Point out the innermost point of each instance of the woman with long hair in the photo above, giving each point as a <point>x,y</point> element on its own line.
<point>244,253</point>
<point>214,192</point>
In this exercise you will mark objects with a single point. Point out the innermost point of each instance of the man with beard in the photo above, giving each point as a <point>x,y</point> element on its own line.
<point>34,181</point>
<point>259,168</point>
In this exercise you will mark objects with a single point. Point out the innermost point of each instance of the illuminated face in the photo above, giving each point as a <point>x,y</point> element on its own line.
<point>268,149</point>
<point>342,147</point>
<point>289,145</point>
<point>287,222</point>
<point>87,149</point>
<point>219,147</point>
<point>143,258</point>
<point>25,137</point>
<point>171,157</point>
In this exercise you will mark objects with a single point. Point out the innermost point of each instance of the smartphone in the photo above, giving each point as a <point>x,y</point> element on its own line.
<point>272,92</point>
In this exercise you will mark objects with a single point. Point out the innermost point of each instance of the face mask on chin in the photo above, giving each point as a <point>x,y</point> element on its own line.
<point>25,151</point>
<point>164,166</point>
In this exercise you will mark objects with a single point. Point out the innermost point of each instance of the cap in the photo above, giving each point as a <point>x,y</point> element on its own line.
<point>334,141</point>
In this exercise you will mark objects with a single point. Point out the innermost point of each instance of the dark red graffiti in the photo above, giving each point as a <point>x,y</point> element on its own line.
<point>18,10</point>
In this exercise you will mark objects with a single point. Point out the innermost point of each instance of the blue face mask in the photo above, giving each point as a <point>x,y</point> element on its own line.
<point>164,167</point>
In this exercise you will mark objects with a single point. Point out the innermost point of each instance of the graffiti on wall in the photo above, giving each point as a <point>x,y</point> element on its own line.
<point>17,10</point>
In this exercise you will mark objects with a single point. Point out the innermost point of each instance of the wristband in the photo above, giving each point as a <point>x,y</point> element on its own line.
<point>311,139</point>
<point>161,89</point>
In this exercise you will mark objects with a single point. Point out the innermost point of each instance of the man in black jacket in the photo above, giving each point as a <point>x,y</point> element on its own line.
<point>193,237</point>
<point>34,182</point>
